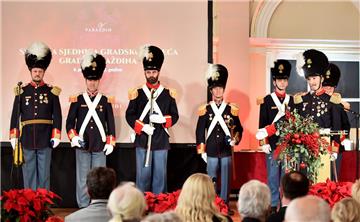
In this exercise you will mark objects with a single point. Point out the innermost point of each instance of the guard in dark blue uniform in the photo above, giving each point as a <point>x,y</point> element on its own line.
<point>40,114</point>
<point>151,122</point>
<point>331,80</point>
<point>218,129</point>
<point>90,125</point>
<point>272,109</point>
<point>322,107</point>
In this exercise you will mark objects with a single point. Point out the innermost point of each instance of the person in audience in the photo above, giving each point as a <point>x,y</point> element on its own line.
<point>355,191</point>
<point>196,200</point>
<point>254,202</point>
<point>100,182</point>
<point>126,203</point>
<point>169,216</point>
<point>346,210</point>
<point>294,184</point>
<point>309,208</point>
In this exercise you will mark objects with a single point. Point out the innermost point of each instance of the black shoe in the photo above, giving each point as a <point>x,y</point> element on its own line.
<point>231,212</point>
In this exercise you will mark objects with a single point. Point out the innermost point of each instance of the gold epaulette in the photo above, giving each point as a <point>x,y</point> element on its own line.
<point>335,98</point>
<point>234,109</point>
<point>172,93</point>
<point>298,98</point>
<point>259,100</point>
<point>18,90</point>
<point>56,90</point>
<point>133,93</point>
<point>111,99</point>
<point>202,110</point>
<point>345,104</point>
<point>73,98</point>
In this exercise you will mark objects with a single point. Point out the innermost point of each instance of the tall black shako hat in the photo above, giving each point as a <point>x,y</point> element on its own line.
<point>38,55</point>
<point>93,66</point>
<point>332,76</point>
<point>216,75</point>
<point>281,69</point>
<point>152,57</point>
<point>315,63</point>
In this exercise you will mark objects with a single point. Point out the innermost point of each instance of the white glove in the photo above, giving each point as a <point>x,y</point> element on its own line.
<point>108,149</point>
<point>204,157</point>
<point>13,142</point>
<point>232,143</point>
<point>347,144</point>
<point>324,131</point>
<point>333,156</point>
<point>149,130</point>
<point>266,148</point>
<point>156,118</point>
<point>54,142</point>
<point>75,141</point>
<point>261,134</point>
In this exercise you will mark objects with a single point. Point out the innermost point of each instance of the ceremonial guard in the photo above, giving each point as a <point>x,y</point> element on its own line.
<point>272,109</point>
<point>90,125</point>
<point>37,106</point>
<point>218,129</point>
<point>331,80</point>
<point>151,112</point>
<point>322,107</point>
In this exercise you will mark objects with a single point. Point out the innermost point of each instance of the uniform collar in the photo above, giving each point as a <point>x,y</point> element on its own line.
<point>34,84</point>
<point>92,94</point>
<point>320,92</point>
<point>151,86</point>
<point>279,95</point>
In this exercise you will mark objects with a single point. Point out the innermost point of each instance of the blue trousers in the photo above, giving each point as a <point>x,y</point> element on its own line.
<point>36,169</point>
<point>152,178</point>
<point>274,174</point>
<point>85,161</point>
<point>213,164</point>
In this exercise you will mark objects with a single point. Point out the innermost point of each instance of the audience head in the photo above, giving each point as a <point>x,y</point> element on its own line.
<point>254,200</point>
<point>346,210</point>
<point>126,202</point>
<point>355,191</point>
<point>308,208</point>
<point>100,181</point>
<point>169,216</point>
<point>294,184</point>
<point>196,200</point>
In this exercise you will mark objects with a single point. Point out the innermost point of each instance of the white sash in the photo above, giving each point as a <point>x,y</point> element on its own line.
<point>92,113</point>
<point>218,119</point>
<point>279,105</point>
<point>155,105</point>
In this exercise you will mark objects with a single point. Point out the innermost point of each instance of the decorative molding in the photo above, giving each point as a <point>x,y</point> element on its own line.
<point>261,18</point>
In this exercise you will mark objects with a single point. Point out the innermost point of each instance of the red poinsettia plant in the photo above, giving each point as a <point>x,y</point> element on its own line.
<point>331,191</point>
<point>300,144</point>
<point>26,205</point>
<point>167,201</point>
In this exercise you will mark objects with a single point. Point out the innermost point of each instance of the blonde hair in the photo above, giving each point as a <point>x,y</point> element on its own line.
<point>126,202</point>
<point>355,191</point>
<point>169,216</point>
<point>196,200</point>
<point>346,210</point>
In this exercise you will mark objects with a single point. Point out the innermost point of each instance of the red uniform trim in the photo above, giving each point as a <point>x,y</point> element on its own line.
<point>138,126</point>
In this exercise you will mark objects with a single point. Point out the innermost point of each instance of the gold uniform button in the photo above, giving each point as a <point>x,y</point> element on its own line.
<point>91,127</point>
<point>35,114</point>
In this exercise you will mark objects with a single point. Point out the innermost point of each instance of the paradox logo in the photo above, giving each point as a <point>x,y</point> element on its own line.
<point>100,27</point>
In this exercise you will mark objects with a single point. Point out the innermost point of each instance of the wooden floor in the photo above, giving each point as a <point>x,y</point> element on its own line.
<point>62,212</point>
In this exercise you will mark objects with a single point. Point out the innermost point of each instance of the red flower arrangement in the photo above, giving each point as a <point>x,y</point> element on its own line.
<point>26,205</point>
<point>300,144</point>
<point>168,201</point>
<point>331,191</point>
